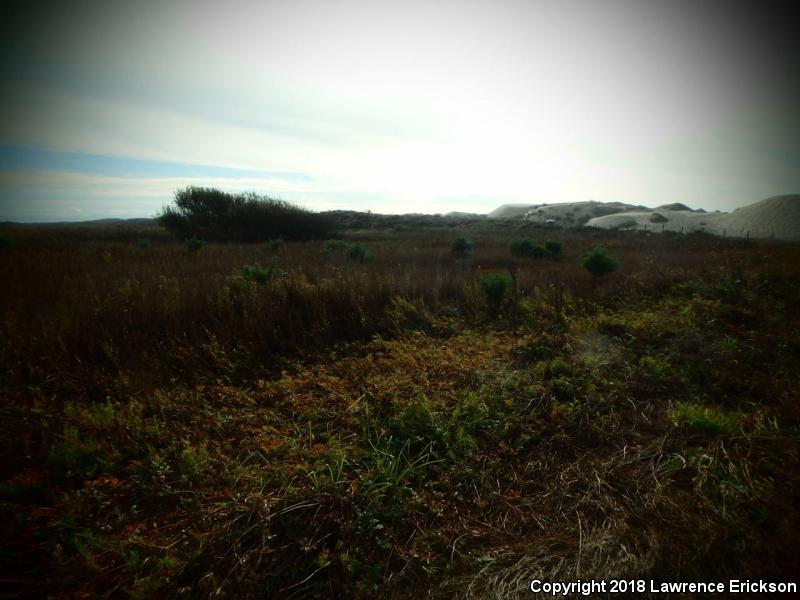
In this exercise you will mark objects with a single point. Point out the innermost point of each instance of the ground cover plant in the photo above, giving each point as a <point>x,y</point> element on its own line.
<point>296,420</point>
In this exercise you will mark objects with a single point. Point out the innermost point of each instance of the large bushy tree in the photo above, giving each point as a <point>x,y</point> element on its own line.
<point>212,214</point>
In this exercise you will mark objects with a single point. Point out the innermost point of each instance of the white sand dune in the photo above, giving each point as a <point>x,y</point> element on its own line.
<point>510,211</point>
<point>777,217</point>
<point>570,214</point>
<point>676,220</point>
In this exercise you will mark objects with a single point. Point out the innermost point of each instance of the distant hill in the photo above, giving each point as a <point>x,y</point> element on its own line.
<point>353,220</point>
<point>686,221</point>
<point>510,211</point>
<point>123,229</point>
<point>135,223</point>
<point>455,214</point>
<point>570,214</point>
<point>777,217</point>
<point>673,206</point>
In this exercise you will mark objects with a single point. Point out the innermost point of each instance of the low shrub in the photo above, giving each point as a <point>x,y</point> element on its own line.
<point>463,246</point>
<point>259,274</point>
<point>358,253</point>
<point>495,287</point>
<point>335,246</point>
<point>552,247</point>
<point>194,244</point>
<point>355,252</point>
<point>527,249</point>
<point>598,262</point>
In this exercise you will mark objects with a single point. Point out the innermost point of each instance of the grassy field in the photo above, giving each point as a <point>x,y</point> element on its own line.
<point>373,417</point>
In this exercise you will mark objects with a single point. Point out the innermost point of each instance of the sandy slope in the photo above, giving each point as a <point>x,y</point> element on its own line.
<point>777,217</point>
<point>676,220</point>
<point>510,211</point>
<point>567,213</point>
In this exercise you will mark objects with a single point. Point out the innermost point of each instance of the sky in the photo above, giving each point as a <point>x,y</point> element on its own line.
<point>428,106</point>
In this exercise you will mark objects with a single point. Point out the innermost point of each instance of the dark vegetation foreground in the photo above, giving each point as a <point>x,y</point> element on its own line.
<point>311,419</point>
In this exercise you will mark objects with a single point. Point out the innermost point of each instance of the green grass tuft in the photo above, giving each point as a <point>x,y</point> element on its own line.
<point>704,419</point>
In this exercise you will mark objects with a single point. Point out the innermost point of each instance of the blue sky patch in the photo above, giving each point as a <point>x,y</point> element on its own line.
<point>17,158</point>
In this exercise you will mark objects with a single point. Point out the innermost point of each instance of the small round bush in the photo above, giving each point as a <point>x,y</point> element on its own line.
<point>194,244</point>
<point>463,246</point>
<point>552,247</point>
<point>358,253</point>
<point>334,247</point>
<point>598,262</point>
<point>527,249</point>
<point>494,287</point>
<point>259,274</point>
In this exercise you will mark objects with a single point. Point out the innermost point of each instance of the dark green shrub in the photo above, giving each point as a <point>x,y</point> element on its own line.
<point>6,243</point>
<point>355,252</point>
<point>260,274</point>
<point>539,251</point>
<point>274,244</point>
<point>334,246</point>
<point>598,262</point>
<point>217,215</point>
<point>552,247</point>
<point>527,249</point>
<point>358,253</point>
<point>194,244</point>
<point>495,287</point>
<point>463,246</point>
<point>521,247</point>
